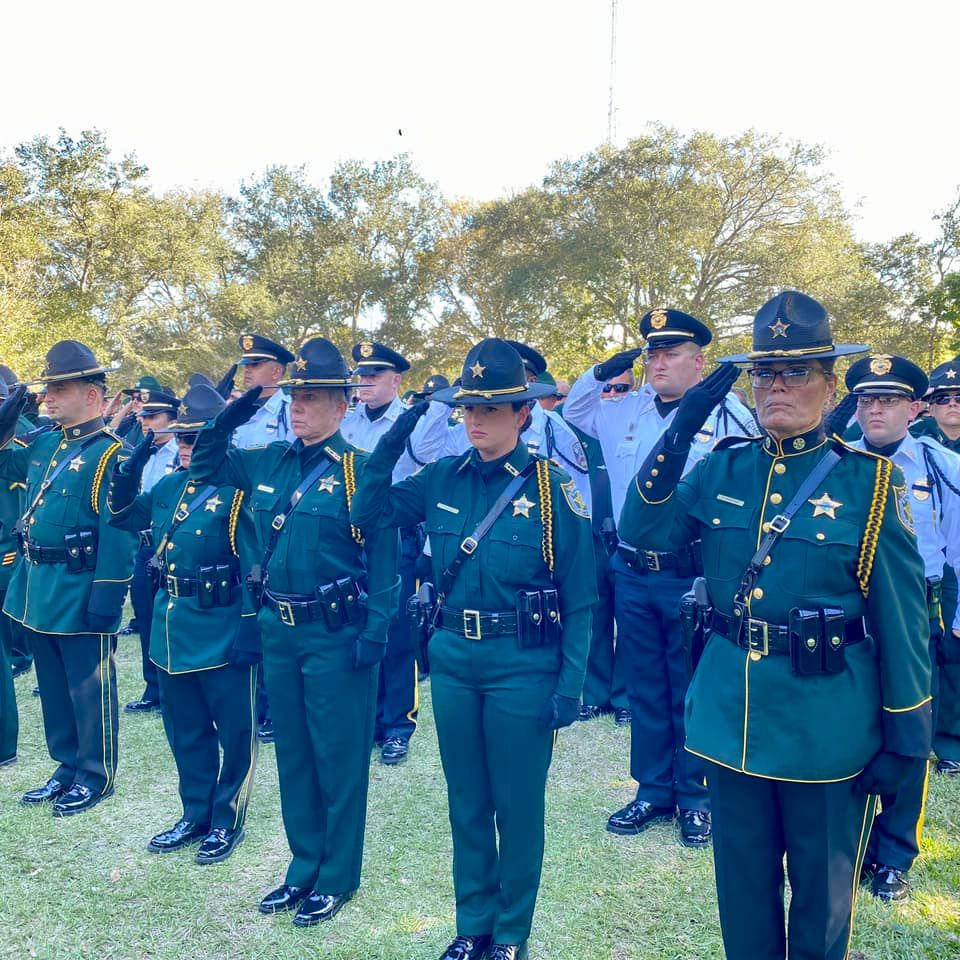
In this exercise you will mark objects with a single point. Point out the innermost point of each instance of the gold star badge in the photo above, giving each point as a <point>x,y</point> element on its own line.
<point>183,410</point>
<point>521,507</point>
<point>951,374</point>
<point>300,363</point>
<point>823,506</point>
<point>779,329</point>
<point>76,464</point>
<point>212,504</point>
<point>477,370</point>
<point>328,484</point>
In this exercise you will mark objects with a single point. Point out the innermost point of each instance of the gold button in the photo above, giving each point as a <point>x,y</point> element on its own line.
<point>199,532</point>
<point>173,566</point>
<point>821,536</point>
<point>40,501</point>
<point>191,489</point>
<point>766,528</point>
<point>660,458</point>
<point>53,463</point>
<point>170,605</point>
<point>648,484</point>
<point>780,468</point>
<point>716,521</point>
<point>767,560</point>
<point>63,446</point>
<point>654,472</point>
<point>755,656</point>
<point>169,546</point>
<point>758,593</point>
<point>33,519</point>
<point>776,498</point>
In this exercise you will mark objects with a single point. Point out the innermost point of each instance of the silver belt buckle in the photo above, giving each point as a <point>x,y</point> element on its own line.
<point>653,560</point>
<point>761,646</point>
<point>285,609</point>
<point>471,624</point>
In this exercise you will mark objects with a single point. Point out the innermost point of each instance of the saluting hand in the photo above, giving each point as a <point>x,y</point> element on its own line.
<point>404,425</point>
<point>619,363</point>
<point>837,420</point>
<point>239,412</point>
<point>139,456</point>
<point>10,411</point>
<point>225,385</point>
<point>698,402</point>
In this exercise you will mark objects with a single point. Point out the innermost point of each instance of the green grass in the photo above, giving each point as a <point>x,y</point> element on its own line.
<point>87,887</point>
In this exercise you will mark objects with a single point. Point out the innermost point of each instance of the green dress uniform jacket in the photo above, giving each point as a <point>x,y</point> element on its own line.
<point>488,694</point>
<point>53,600</point>
<point>851,546</point>
<point>322,703</point>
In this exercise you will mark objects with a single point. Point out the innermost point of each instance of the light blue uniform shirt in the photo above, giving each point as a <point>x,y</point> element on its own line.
<point>162,462</point>
<point>271,422</point>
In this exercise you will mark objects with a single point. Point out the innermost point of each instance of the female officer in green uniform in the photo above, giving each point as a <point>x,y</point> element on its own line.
<point>206,696</point>
<point>508,656</point>
<point>328,595</point>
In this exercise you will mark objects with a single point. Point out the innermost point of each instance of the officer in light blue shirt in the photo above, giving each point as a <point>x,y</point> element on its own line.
<point>648,585</point>
<point>888,390</point>
<point>157,409</point>
<point>263,363</point>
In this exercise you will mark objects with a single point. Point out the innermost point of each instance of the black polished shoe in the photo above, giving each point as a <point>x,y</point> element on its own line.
<point>467,948</point>
<point>78,799</point>
<point>949,768</point>
<point>181,834</point>
<point>36,691</point>
<point>18,669</point>
<point>508,951</point>
<point>142,705</point>
<point>218,844</point>
<point>130,629</point>
<point>394,750</point>
<point>282,899</point>
<point>319,907</point>
<point>52,789</point>
<point>622,716</point>
<point>265,731</point>
<point>890,884</point>
<point>589,711</point>
<point>636,817</point>
<point>695,828</point>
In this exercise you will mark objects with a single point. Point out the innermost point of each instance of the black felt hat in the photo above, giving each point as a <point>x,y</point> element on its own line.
<point>157,400</point>
<point>71,360</point>
<point>318,364</point>
<point>945,377</point>
<point>532,359</point>
<point>433,383</point>
<point>885,373</point>
<point>257,349</point>
<point>793,326</point>
<point>370,356</point>
<point>144,383</point>
<point>493,373</point>
<point>199,406</point>
<point>666,328</point>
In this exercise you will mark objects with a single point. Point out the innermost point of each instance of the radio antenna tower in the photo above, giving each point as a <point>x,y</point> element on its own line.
<point>611,107</point>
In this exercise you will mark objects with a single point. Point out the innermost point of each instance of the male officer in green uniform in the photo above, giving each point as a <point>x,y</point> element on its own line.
<point>206,695</point>
<point>68,590</point>
<point>513,629</point>
<point>328,595</point>
<point>813,692</point>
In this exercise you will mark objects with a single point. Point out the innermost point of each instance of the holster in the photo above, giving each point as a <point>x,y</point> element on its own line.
<point>817,644</point>
<point>81,551</point>
<point>207,589</point>
<point>154,571</point>
<point>691,621</point>
<point>254,582</point>
<point>421,615</point>
<point>538,618</point>
<point>342,602</point>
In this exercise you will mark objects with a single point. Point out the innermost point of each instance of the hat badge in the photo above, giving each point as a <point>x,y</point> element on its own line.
<point>247,342</point>
<point>300,363</point>
<point>183,410</point>
<point>951,374</point>
<point>366,350</point>
<point>779,329</point>
<point>145,396</point>
<point>477,370</point>
<point>881,364</point>
<point>658,319</point>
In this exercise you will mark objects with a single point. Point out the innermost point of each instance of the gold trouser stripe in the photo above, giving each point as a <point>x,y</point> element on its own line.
<point>246,788</point>
<point>106,709</point>
<point>869,812</point>
<point>921,819</point>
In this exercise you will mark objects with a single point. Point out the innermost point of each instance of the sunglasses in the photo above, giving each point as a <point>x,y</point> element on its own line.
<point>946,398</point>
<point>615,388</point>
<point>187,439</point>
<point>884,401</point>
<point>792,377</point>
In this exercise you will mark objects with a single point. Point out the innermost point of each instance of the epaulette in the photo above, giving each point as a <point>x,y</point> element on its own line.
<point>733,440</point>
<point>843,447</point>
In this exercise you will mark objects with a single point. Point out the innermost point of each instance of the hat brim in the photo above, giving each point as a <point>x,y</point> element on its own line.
<point>784,356</point>
<point>179,427</point>
<point>72,375</point>
<point>458,397</point>
<point>316,383</point>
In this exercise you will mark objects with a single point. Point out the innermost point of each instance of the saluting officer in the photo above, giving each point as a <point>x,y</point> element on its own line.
<point>888,391</point>
<point>649,583</point>
<point>206,695</point>
<point>328,595</point>
<point>813,692</point>
<point>157,409</point>
<point>263,363</point>
<point>68,590</point>
<point>512,560</point>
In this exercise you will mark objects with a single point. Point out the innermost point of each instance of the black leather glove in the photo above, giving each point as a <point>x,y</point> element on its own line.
<point>837,420</point>
<point>403,426</point>
<point>138,458</point>
<point>619,363</point>
<point>367,653</point>
<point>697,404</point>
<point>239,412</point>
<point>10,411</point>
<point>559,712</point>
<point>887,772</point>
<point>225,385</point>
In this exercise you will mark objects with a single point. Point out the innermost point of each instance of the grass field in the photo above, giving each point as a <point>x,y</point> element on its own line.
<point>87,887</point>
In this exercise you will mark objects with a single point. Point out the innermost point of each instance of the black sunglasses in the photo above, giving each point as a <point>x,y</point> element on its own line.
<point>615,388</point>
<point>941,400</point>
<point>188,439</point>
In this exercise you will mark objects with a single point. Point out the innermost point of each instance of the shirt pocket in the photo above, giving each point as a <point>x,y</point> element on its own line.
<point>446,533</point>
<point>265,507</point>
<point>514,552</point>
<point>59,509</point>
<point>728,536</point>
<point>820,557</point>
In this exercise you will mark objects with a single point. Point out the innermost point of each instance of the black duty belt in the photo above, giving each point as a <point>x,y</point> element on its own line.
<point>759,636</point>
<point>190,586</point>
<point>654,561</point>
<point>37,554</point>
<point>293,608</point>
<point>477,624</point>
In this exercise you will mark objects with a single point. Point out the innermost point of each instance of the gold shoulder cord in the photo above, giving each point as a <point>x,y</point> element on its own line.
<point>546,512</point>
<point>98,476</point>
<point>234,517</point>
<point>871,532</point>
<point>350,487</point>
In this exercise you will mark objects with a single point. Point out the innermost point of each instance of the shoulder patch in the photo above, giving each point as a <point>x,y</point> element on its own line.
<point>732,440</point>
<point>575,499</point>
<point>904,511</point>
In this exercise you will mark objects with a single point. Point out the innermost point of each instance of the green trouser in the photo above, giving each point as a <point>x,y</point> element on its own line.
<point>487,696</point>
<point>9,721</point>
<point>604,684</point>
<point>946,736</point>
<point>323,711</point>
<point>16,644</point>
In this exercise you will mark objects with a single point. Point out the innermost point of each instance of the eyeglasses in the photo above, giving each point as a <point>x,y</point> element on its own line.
<point>563,396</point>
<point>615,388</point>
<point>945,398</point>
<point>792,377</point>
<point>888,400</point>
<point>187,439</point>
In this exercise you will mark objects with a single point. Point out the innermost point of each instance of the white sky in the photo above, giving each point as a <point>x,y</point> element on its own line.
<point>488,93</point>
